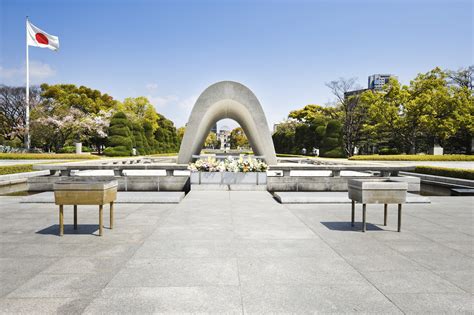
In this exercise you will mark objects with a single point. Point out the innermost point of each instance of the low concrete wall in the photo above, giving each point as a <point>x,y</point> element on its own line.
<point>303,183</point>
<point>126,183</point>
<point>449,182</point>
<point>17,178</point>
<point>182,183</point>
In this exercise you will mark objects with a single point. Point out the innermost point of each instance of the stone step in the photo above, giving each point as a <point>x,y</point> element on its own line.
<point>122,197</point>
<point>331,197</point>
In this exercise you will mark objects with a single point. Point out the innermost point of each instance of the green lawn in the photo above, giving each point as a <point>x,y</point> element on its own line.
<point>408,157</point>
<point>46,156</point>
<point>446,171</point>
<point>12,169</point>
<point>162,154</point>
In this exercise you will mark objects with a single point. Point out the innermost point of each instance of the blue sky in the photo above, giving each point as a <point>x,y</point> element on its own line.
<point>284,51</point>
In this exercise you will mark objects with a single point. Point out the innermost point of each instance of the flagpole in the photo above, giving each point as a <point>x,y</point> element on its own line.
<point>27,109</point>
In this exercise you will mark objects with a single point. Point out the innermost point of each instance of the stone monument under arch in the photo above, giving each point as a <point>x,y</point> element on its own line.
<point>227,99</point>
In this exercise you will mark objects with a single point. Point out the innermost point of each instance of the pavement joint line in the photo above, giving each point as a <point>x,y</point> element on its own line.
<point>431,240</point>
<point>237,262</point>
<point>123,263</point>
<point>337,252</point>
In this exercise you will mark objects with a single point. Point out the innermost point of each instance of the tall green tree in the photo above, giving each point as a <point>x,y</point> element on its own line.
<point>238,139</point>
<point>140,110</point>
<point>284,137</point>
<point>353,112</point>
<point>66,96</point>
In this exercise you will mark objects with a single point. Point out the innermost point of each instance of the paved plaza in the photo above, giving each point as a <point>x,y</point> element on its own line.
<point>237,252</point>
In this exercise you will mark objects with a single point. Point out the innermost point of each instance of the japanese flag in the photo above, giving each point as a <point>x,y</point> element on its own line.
<point>39,38</point>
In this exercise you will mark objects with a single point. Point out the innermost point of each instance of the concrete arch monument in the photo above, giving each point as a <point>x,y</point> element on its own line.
<point>227,99</point>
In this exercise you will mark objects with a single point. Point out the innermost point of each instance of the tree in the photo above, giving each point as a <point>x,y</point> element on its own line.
<point>150,138</point>
<point>385,127</point>
<point>332,145</point>
<point>238,139</point>
<point>13,110</point>
<point>180,133</point>
<point>87,100</point>
<point>53,131</point>
<point>166,136</point>
<point>120,136</point>
<point>211,140</point>
<point>463,77</point>
<point>353,115</point>
<point>434,106</point>
<point>412,118</point>
<point>284,137</point>
<point>139,109</point>
<point>139,140</point>
<point>312,121</point>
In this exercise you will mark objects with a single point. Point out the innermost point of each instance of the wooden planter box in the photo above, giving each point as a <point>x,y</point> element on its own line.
<point>85,192</point>
<point>81,191</point>
<point>229,180</point>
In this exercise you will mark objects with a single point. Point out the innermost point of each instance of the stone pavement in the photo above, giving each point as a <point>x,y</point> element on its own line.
<point>237,252</point>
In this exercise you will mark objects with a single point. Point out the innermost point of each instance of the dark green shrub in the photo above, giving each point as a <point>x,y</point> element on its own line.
<point>120,141</point>
<point>150,138</point>
<point>331,145</point>
<point>72,149</point>
<point>139,139</point>
<point>388,151</point>
<point>335,153</point>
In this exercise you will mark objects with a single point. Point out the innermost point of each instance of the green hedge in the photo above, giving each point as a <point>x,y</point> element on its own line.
<point>408,157</point>
<point>46,156</point>
<point>334,153</point>
<point>446,171</point>
<point>72,149</point>
<point>117,151</point>
<point>12,169</point>
<point>120,140</point>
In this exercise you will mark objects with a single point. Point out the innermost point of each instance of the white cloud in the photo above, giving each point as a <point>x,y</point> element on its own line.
<point>151,87</point>
<point>7,74</point>
<point>162,101</point>
<point>39,71</point>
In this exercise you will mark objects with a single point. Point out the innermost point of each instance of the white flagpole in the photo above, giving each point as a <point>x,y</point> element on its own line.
<point>27,109</point>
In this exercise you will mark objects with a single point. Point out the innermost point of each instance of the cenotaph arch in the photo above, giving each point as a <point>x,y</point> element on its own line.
<point>227,99</point>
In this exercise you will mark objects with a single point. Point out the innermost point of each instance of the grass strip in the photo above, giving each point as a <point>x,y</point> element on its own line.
<point>408,157</point>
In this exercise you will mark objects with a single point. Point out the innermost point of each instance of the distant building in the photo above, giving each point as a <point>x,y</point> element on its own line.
<point>377,81</point>
<point>224,138</point>
<point>214,129</point>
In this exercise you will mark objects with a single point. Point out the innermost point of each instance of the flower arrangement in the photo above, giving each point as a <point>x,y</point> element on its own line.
<point>230,164</point>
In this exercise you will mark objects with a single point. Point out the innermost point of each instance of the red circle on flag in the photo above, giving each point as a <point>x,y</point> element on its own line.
<point>41,38</point>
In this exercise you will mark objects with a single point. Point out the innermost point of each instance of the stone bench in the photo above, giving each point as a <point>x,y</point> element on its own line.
<point>379,191</point>
<point>77,191</point>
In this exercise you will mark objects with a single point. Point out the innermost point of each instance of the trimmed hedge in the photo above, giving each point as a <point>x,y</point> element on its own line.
<point>72,149</point>
<point>46,156</point>
<point>12,169</point>
<point>408,157</point>
<point>446,171</point>
<point>120,140</point>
